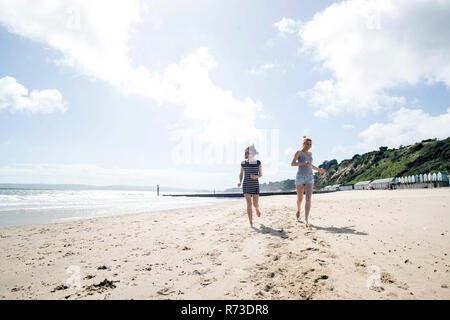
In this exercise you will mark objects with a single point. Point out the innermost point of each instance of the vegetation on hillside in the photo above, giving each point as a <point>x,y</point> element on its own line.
<point>426,156</point>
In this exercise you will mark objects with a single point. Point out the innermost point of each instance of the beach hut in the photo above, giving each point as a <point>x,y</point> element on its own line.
<point>425,177</point>
<point>445,178</point>
<point>417,178</point>
<point>433,177</point>
<point>430,177</point>
<point>344,187</point>
<point>363,185</point>
<point>381,184</point>
<point>420,178</point>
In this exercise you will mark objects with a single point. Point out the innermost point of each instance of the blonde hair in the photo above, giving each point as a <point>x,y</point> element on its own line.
<point>306,139</point>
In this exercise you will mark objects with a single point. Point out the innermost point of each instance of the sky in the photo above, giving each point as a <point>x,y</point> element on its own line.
<point>132,92</point>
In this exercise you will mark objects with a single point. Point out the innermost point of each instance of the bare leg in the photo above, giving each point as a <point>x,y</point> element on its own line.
<point>256,204</point>
<point>300,190</point>
<point>309,189</point>
<point>248,198</point>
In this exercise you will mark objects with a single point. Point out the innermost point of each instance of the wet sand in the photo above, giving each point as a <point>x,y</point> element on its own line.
<point>362,245</point>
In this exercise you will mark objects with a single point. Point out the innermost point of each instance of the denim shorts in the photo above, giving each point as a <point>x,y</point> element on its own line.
<point>303,180</point>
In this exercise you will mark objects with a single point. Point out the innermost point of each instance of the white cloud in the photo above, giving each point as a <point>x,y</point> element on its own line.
<point>260,69</point>
<point>348,126</point>
<point>321,114</point>
<point>218,116</point>
<point>406,126</point>
<point>93,37</point>
<point>15,97</point>
<point>341,150</point>
<point>373,46</point>
<point>287,25</point>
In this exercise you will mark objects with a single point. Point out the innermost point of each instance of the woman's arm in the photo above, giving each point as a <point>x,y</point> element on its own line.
<point>294,162</point>
<point>240,177</point>
<point>318,169</point>
<point>254,176</point>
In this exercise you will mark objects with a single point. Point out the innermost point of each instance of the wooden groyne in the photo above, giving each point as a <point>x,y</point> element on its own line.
<point>237,195</point>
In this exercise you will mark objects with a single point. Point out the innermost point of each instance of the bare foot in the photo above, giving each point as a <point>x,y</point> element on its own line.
<point>298,216</point>
<point>258,213</point>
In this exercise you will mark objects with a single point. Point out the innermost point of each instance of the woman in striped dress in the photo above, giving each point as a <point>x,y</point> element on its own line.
<point>251,170</point>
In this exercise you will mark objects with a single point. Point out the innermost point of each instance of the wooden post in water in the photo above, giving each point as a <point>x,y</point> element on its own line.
<point>157,190</point>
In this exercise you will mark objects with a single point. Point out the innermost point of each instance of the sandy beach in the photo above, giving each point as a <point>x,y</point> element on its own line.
<point>362,245</point>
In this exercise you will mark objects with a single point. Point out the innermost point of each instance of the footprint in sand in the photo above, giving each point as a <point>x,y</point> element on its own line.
<point>207,282</point>
<point>387,278</point>
<point>200,272</point>
<point>310,249</point>
<point>321,262</point>
<point>165,291</point>
<point>322,277</point>
<point>308,271</point>
<point>103,268</point>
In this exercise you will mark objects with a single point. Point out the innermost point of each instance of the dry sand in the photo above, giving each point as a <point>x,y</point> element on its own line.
<point>400,238</point>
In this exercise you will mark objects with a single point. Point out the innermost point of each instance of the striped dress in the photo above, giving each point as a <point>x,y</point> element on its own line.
<point>250,186</point>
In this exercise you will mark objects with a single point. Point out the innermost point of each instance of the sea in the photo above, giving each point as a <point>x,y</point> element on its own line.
<point>24,207</point>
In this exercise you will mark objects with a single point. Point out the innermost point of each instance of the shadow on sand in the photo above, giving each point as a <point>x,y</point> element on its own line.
<point>347,230</point>
<point>263,229</point>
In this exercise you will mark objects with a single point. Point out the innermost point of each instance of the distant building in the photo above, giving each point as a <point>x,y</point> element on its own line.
<point>363,185</point>
<point>381,184</point>
<point>335,187</point>
<point>344,187</point>
<point>330,188</point>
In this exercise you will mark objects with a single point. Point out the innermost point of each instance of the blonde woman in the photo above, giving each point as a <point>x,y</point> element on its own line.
<point>251,170</point>
<point>304,180</point>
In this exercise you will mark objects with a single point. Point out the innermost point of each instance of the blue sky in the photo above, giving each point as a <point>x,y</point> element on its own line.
<point>109,93</point>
